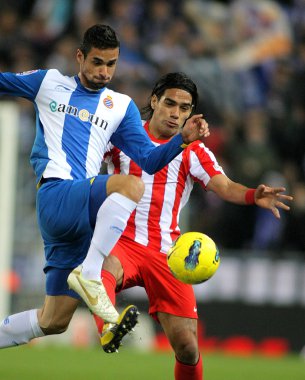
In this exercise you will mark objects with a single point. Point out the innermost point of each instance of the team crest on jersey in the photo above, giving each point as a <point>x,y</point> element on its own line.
<point>27,72</point>
<point>108,102</point>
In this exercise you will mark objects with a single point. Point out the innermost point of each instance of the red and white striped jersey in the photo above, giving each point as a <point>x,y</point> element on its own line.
<point>155,221</point>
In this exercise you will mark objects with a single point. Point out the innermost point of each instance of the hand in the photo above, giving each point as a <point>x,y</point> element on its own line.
<point>270,198</point>
<point>195,128</point>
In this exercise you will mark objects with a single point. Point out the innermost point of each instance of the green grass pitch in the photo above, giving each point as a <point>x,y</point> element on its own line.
<point>62,363</point>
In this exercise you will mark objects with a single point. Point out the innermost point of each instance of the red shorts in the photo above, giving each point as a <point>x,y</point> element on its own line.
<point>147,268</point>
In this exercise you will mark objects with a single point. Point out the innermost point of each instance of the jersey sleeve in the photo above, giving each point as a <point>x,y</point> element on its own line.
<point>202,163</point>
<point>25,85</point>
<point>131,138</point>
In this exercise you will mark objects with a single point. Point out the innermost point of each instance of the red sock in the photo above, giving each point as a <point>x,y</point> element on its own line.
<point>189,372</point>
<point>109,282</point>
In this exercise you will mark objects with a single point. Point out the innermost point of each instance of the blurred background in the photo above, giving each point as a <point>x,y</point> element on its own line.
<point>248,61</point>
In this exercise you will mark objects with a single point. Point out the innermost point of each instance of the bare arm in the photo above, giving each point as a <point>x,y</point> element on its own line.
<point>267,197</point>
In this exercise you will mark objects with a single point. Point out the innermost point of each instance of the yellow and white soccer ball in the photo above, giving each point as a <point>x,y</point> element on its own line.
<point>193,258</point>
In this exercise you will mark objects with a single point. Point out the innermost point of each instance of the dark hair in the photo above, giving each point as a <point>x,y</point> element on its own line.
<point>99,36</point>
<point>171,80</point>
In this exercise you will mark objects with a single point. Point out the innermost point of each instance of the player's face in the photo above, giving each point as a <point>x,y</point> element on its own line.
<point>97,69</point>
<point>170,112</point>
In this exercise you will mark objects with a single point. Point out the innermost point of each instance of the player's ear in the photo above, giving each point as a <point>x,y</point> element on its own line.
<point>153,101</point>
<point>79,56</point>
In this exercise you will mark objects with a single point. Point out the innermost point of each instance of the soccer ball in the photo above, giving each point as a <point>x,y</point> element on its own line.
<point>193,258</point>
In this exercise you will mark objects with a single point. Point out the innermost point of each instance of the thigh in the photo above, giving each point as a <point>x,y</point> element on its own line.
<point>149,269</point>
<point>63,218</point>
<point>130,256</point>
<point>63,209</point>
<point>166,294</point>
<point>98,194</point>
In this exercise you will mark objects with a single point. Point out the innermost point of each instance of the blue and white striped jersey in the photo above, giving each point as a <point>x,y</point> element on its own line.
<point>75,124</point>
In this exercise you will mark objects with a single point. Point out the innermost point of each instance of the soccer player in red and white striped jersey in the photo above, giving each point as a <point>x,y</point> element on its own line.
<point>154,223</point>
<point>139,258</point>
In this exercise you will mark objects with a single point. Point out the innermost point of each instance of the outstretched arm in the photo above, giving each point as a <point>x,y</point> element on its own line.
<point>270,198</point>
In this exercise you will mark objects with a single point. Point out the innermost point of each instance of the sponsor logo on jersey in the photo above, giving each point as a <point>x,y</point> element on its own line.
<point>27,72</point>
<point>83,114</point>
<point>108,102</point>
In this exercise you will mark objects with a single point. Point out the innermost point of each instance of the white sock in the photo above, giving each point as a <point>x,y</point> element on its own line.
<point>19,329</point>
<point>111,221</point>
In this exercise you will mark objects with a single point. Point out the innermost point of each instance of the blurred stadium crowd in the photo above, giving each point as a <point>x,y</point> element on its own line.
<point>248,60</point>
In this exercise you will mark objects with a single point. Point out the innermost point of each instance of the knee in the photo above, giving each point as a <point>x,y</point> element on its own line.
<point>52,325</point>
<point>187,351</point>
<point>133,188</point>
<point>113,265</point>
<point>54,328</point>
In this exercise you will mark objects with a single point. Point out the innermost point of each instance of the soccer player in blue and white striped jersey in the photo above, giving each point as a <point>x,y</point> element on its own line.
<point>82,214</point>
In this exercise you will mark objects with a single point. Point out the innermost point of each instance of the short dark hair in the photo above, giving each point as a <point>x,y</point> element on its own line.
<point>99,36</point>
<point>171,80</point>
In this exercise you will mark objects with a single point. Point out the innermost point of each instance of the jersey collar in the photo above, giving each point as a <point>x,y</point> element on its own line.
<point>153,138</point>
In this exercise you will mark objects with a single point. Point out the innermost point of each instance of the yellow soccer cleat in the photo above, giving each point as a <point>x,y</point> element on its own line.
<point>113,334</point>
